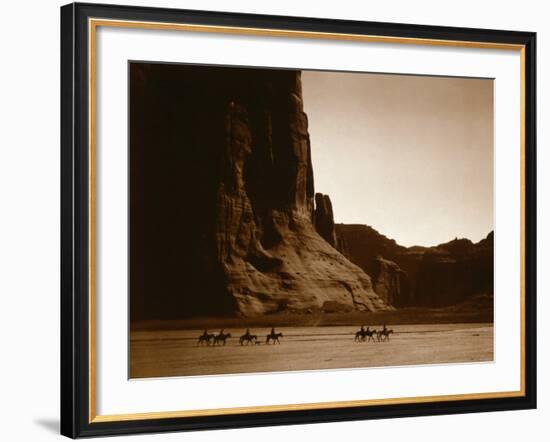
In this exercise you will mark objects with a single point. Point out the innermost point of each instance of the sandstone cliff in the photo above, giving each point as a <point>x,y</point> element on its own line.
<point>376,255</point>
<point>324,219</point>
<point>222,199</point>
<point>437,276</point>
<point>390,282</point>
<point>451,272</point>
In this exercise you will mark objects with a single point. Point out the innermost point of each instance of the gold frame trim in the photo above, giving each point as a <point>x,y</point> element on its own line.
<point>93,24</point>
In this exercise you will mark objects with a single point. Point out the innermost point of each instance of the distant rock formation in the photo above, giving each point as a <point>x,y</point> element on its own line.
<point>453,271</point>
<point>420,276</point>
<point>376,255</point>
<point>223,213</point>
<point>363,244</point>
<point>390,282</point>
<point>324,219</point>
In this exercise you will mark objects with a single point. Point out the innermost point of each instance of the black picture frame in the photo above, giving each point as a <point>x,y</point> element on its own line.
<point>75,219</point>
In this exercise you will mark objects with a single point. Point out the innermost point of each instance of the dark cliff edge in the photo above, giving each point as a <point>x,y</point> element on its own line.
<point>222,211</point>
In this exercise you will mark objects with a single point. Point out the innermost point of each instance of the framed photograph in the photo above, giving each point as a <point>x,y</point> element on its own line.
<point>276,220</point>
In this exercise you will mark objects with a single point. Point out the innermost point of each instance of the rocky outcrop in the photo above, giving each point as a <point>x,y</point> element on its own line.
<point>389,281</point>
<point>438,276</point>
<point>324,219</point>
<point>451,272</point>
<point>364,243</point>
<point>376,255</point>
<point>226,202</point>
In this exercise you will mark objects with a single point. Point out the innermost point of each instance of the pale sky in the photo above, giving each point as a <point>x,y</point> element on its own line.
<point>410,156</point>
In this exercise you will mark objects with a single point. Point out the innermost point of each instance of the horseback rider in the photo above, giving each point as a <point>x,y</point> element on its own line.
<point>205,338</point>
<point>273,336</point>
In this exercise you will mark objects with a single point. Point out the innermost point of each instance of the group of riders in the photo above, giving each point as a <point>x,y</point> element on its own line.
<point>376,336</point>
<point>248,338</point>
<point>362,335</point>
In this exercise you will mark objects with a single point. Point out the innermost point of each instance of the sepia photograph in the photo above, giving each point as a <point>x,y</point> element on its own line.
<point>285,220</point>
<point>276,220</point>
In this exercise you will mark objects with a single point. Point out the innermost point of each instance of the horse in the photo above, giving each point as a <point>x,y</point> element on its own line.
<point>384,335</point>
<point>205,338</point>
<point>221,337</point>
<point>248,338</point>
<point>370,334</point>
<point>360,336</point>
<point>273,337</point>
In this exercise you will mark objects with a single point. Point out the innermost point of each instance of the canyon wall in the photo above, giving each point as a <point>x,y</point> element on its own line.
<point>222,199</point>
<point>439,276</point>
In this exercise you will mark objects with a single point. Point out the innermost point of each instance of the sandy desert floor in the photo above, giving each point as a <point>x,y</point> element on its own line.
<point>176,353</point>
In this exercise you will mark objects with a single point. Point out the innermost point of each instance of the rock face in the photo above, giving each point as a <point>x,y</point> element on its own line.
<point>437,276</point>
<point>324,219</point>
<point>226,202</point>
<point>451,272</point>
<point>377,256</point>
<point>389,281</point>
